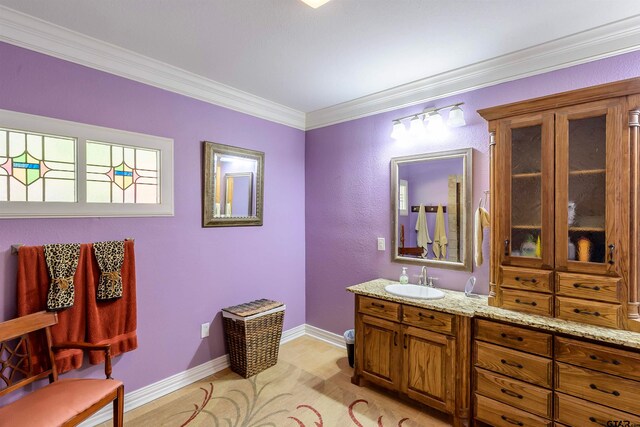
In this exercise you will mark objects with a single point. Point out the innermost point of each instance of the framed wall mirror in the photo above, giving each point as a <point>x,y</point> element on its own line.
<point>431,208</point>
<point>233,186</point>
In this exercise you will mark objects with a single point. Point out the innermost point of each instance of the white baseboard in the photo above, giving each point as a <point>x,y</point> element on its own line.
<point>163,387</point>
<point>326,336</point>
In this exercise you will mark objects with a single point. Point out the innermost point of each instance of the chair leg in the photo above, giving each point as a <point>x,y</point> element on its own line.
<point>118,408</point>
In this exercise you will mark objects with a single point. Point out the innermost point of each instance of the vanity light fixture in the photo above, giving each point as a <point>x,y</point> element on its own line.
<point>315,3</point>
<point>433,119</point>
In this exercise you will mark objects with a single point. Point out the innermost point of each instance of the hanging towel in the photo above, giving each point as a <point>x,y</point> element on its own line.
<point>423,231</point>
<point>112,321</point>
<point>31,292</point>
<point>482,220</point>
<point>110,256</point>
<point>62,262</point>
<point>440,235</point>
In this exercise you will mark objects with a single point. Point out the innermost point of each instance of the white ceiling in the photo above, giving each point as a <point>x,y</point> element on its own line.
<point>310,59</point>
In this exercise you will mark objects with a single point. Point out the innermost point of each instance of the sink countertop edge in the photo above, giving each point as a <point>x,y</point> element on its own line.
<point>456,302</point>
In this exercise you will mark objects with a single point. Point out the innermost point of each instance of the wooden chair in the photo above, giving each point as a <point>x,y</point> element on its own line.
<point>64,402</point>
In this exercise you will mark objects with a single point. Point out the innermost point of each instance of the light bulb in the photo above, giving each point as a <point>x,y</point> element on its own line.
<point>416,129</point>
<point>456,117</point>
<point>399,131</point>
<point>435,123</point>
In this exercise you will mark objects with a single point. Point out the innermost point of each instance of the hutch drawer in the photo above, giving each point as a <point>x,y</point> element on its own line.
<point>514,337</point>
<point>592,312</point>
<point>528,302</point>
<point>527,279</point>
<point>589,287</point>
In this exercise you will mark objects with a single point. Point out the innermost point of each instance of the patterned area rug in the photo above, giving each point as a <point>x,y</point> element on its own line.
<point>282,396</point>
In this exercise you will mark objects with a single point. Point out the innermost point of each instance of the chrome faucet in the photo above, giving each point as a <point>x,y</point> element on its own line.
<point>424,276</point>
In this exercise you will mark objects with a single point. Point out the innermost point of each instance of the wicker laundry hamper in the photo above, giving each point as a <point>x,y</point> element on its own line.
<point>252,332</point>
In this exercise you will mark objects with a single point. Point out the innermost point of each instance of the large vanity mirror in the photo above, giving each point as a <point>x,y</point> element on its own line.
<point>431,205</point>
<point>233,186</point>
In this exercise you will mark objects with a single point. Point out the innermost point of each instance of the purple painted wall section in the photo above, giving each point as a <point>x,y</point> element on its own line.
<point>348,189</point>
<point>185,273</point>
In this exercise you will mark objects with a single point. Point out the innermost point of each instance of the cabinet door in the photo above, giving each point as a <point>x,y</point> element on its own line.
<point>589,183</point>
<point>380,353</point>
<point>525,190</point>
<point>428,370</point>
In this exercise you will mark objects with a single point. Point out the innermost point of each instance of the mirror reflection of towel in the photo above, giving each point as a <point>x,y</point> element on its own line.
<point>423,231</point>
<point>440,235</point>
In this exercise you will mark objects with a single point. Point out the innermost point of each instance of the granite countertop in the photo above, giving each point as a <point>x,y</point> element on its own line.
<point>456,302</point>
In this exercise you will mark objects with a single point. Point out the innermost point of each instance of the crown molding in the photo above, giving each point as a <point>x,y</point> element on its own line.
<point>41,36</point>
<point>601,42</point>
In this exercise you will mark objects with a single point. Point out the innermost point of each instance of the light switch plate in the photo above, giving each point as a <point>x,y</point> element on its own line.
<point>381,244</point>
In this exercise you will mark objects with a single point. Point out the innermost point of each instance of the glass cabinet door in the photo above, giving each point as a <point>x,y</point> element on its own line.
<point>527,195</point>
<point>589,146</point>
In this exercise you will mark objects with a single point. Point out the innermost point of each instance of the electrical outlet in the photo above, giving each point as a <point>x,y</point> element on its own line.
<point>381,243</point>
<point>204,330</point>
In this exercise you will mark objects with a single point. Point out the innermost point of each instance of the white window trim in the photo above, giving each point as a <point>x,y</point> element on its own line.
<point>83,132</point>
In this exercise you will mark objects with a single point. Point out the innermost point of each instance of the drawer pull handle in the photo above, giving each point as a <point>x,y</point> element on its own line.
<point>519,279</point>
<point>611,248</point>
<point>590,313</point>
<point>515,365</point>
<point>375,304</point>
<point>511,337</point>
<point>395,338</point>
<point>509,420</point>
<point>511,393</point>
<point>595,387</point>
<point>431,316</point>
<point>533,303</point>
<point>580,285</point>
<point>613,361</point>
<point>595,420</point>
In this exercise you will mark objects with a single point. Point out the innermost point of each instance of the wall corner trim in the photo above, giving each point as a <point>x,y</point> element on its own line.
<point>35,34</point>
<point>608,40</point>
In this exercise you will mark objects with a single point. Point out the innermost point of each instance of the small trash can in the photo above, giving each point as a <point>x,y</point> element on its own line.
<point>350,340</point>
<point>252,332</point>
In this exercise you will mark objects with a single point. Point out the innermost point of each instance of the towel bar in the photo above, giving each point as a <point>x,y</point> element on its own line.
<point>432,209</point>
<point>16,246</point>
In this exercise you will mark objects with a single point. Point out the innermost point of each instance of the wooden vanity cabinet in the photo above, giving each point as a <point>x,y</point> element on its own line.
<point>529,377</point>
<point>420,353</point>
<point>565,176</point>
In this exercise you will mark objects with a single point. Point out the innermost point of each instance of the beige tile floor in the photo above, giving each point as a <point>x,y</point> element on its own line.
<point>323,360</point>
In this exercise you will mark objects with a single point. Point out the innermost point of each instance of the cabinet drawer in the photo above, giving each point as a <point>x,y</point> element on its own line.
<point>428,319</point>
<point>516,364</point>
<point>578,412</point>
<point>589,287</point>
<point>597,387</point>
<point>514,337</point>
<point>528,302</point>
<point>501,415</point>
<point>592,312</point>
<point>600,358</point>
<point>516,393</point>
<point>379,308</point>
<point>526,279</point>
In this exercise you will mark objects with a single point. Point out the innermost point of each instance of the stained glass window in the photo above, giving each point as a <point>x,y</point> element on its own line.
<point>122,174</point>
<point>37,167</point>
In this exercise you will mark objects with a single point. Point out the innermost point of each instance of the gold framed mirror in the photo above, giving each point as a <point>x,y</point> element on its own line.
<point>233,186</point>
<point>431,208</point>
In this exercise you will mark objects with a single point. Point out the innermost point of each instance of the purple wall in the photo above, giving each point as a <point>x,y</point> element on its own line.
<point>348,189</point>
<point>185,273</point>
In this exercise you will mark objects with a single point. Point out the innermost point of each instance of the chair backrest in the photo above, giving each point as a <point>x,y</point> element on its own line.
<point>17,351</point>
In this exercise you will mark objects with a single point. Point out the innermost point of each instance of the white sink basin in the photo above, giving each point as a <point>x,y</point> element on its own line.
<point>414,291</point>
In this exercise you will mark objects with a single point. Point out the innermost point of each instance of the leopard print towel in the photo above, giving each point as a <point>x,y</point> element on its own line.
<point>62,262</point>
<point>110,256</point>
